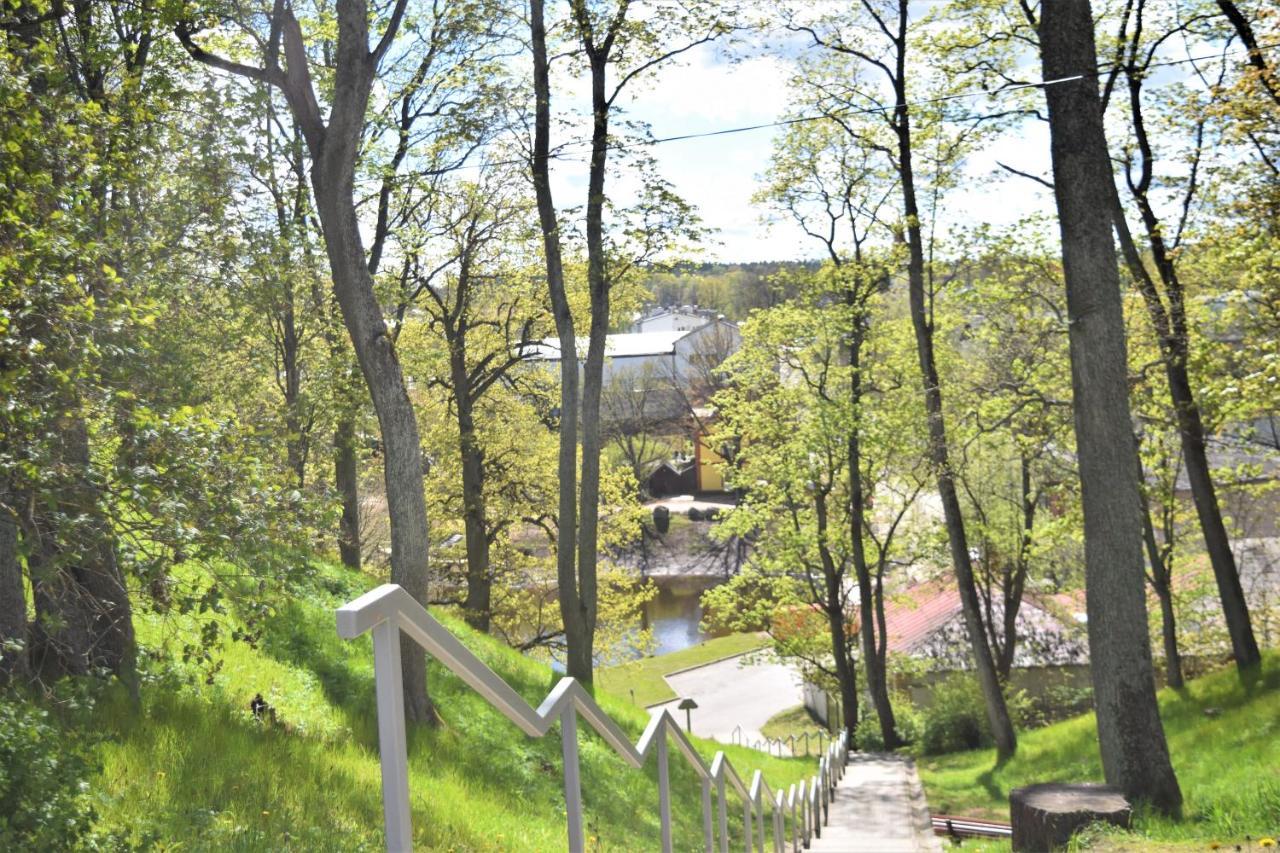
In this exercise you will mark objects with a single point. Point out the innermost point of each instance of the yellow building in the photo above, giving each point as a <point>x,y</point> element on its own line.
<point>708,462</point>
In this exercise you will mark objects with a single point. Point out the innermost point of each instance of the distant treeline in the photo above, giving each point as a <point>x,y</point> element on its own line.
<point>733,289</point>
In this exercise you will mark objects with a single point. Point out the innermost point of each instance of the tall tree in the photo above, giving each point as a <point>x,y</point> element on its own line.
<point>881,42</point>
<point>829,184</point>
<point>1165,298</point>
<point>625,49</point>
<point>1135,755</point>
<point>486,323</point>
<point>334,148</point>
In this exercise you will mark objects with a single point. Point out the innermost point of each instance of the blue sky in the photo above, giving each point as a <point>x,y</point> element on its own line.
<point>719,174</point>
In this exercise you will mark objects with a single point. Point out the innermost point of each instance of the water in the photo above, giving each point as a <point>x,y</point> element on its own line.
<point>675,614</point>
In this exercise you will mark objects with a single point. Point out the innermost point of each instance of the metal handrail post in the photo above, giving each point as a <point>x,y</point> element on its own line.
<point>664,795</point>
<point>724,814</point>
<point>572,778</point>
<point>391,735</point>
<point>707,841</point>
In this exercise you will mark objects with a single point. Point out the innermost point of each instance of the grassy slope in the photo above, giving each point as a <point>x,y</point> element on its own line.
<point>797,721</point>
<point>196,770</point>
<point>1228,765</point>
<point>793,721</point>
<point>645,676</point>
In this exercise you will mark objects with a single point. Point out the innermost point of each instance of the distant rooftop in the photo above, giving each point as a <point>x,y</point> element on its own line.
<point>626,345</point>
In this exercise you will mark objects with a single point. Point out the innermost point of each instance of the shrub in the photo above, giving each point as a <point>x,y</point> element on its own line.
<point>43,787</point>
<point>1056,703</point>
<point>956,719</point>
<point>906,721</point>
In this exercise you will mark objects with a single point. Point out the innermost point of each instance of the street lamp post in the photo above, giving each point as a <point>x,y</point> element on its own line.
<point>687,705</point>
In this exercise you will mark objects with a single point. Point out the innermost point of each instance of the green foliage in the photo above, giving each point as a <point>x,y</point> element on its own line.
<point>909,723</point>
<point>955,719</point>
<point>200,769</point>
<point>43,780</point>
<point>1224,739</point>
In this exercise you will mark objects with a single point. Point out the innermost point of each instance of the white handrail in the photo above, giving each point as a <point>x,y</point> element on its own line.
<point>389,610</point>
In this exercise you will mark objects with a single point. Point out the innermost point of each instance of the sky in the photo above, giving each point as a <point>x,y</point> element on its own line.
<point>719,175</point>
<point>709,89</point>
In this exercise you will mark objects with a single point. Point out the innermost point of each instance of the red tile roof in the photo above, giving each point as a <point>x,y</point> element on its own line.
<point>913,614</point>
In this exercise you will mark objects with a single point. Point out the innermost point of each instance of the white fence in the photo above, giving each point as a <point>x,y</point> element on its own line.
<point>389,610</point>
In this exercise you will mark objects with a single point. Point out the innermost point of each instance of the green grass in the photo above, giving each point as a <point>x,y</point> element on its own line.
<point>194,770</point>
<point>793,721</point>
<point>644,677</point>
<point>797,722</point>
<point>1228,764</point>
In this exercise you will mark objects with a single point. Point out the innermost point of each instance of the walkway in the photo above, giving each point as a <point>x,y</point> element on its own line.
<point>879,807</point>
<point>732,693</point>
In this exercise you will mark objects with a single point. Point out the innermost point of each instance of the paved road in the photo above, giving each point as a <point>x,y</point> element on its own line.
<point>878,807</point>
<point>732,693</point>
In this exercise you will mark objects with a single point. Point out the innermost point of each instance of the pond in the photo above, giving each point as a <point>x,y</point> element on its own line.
<point>675,613</point>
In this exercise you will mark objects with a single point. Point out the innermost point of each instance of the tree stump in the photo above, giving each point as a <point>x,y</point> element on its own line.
<point>1045,816</point>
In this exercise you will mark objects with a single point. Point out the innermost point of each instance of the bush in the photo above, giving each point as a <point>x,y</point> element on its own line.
<point>956,719</point>
<point>1056,703</point>
<point>906,721</point>
<point>43,787</point>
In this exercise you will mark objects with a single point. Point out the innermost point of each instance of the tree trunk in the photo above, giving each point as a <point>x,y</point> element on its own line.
<point>1171,333</point>
<point>296,438</point>
<point>346,479</point>
<point>1135,755</point>
<point>1161,583</point>
<point>580,664</point>
<point>476,609</point>
<point>984,664</point>
<point>1169,632</point>
<point>333,156</point>
<point>406,503</point>
<point>1191,432</point>
<point>872,659</point>
<point>83,616</point>
<point>13,602</point>
<point>1015,581</point>
<point>833,606</point>
<point>567,465</point>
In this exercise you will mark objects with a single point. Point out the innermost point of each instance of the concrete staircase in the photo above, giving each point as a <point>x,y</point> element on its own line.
<point>879,807</point>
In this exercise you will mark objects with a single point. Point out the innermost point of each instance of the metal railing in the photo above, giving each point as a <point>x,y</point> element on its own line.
<point>389,610</point>
<point>776,745</point>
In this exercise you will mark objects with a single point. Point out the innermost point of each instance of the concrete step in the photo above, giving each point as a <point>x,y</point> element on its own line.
<point>878,807</point>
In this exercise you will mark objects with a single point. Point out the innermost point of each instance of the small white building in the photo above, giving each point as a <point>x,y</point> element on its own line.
<point>683,318</point>
<point>687,356</point>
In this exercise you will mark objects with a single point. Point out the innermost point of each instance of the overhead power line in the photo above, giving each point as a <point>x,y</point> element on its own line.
<point>956,96</point>
<point>575,151</point>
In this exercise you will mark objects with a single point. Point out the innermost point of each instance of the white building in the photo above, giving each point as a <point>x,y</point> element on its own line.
<point>683,318</point>
<point>686,355</point>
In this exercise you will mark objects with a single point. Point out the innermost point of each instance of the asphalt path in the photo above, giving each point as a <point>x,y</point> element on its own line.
<point>733,693</point>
